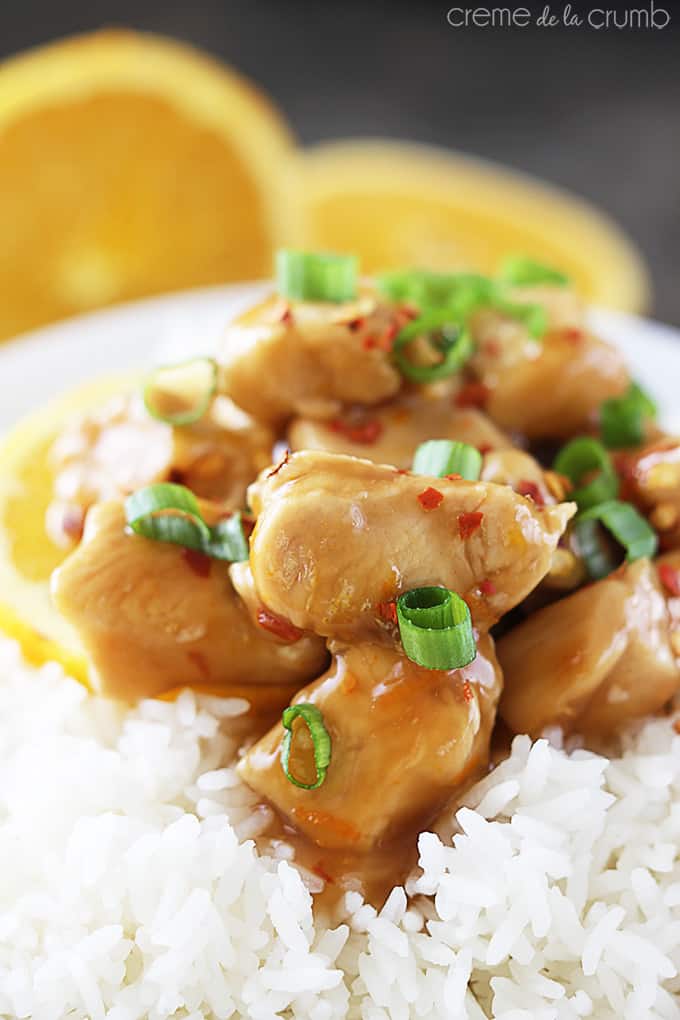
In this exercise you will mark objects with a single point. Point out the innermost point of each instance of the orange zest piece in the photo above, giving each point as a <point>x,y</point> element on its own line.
<point>323,820</point>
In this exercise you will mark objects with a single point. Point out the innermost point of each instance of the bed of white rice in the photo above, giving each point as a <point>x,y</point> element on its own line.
<point>129,886</point>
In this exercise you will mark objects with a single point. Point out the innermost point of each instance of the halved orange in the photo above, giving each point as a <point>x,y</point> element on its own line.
<point>131,164</point>
<point>400,204</point>
<point>27,556</point>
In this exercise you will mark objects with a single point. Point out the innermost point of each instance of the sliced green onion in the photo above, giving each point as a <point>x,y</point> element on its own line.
<point>227,540</point>
<point>622,419</point>
<point>627,526</point>
<point>439,457</point>
<point>461,293</point>
<point>181,394</point>
<point>321,739</point>
<point>592,549</point>
<point>436,628</point>
<point>524,272</point>
<point>647,403</point>
<point>166,512</point>
<point>445,335</point>
<point>581,457</point>
<point>316,276</point>
<point>533,317</point>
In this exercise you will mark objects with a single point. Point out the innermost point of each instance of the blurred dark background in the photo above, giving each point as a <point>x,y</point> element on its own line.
<point>597,111</point>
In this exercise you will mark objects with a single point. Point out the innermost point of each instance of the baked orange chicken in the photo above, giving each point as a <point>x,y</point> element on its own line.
<point>387,514</point>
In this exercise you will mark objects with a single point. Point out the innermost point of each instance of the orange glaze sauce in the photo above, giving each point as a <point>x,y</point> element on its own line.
<point>376,872</point>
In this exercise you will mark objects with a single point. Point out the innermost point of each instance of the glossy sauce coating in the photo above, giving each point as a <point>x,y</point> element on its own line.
<point>336,536</point>
<point>403,738</point>
<point>154,616</point>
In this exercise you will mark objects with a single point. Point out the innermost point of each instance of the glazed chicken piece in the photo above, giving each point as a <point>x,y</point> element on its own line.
<point>403,738</point>
<point>391,433</point>
<point>596,659</point>
<point>524,475</point>
<point>336,540</point>
<point>154,616</point>
<point>110,453</point>
<point>548,388</point>
<point>337,537</point>
<point>650,478</point>
<point>281,359</point>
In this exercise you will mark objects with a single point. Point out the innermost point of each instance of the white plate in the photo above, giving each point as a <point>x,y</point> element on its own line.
<point>40,365</point>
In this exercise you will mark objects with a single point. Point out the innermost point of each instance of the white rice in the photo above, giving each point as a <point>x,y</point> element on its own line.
<point>129,887</point>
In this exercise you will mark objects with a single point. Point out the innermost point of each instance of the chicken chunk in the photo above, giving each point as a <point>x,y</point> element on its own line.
<point>120,448</point>
<point>650,478</point>
<point>524,475</point>
<point>154,616</point>
<point>281,359</point>
<point>336,537</point>
<point>403,738</point>
<point>593,661</point>
<point>548,388</point>
<point>391,433</point>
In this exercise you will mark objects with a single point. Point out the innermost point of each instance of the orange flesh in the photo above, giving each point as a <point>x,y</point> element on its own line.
<point>157,203</point>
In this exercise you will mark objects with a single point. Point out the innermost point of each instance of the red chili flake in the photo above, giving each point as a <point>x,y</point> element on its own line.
<point>487,587</point>
<point>282,463</point>
<point>473,394</point>
<point>387,338</point>
<point>401,471</point>
<point>355,324</point>
<point>670,578</point>
<point>247,522</point>
<point>319,870</point>
<point>387,611</point>
<point>369,342</point>
<point>430,498</point>
<point>468,523</point>
<point>485,448</point>
<point>365,432</point>
<point>409,311</point>
<point>201,664</point>
<point>492,348</point>
<point>525,487</point>
<point>286,315</point>
<point>197,562</point>
<point>454,477</point>
<point>283,629</point>
<point>468,693</point>
<point>573,335</point>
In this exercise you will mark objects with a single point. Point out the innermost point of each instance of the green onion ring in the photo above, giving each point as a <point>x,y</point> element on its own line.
<point>459,292</point>
<point>166,512</point>
<point>580,457</point>
<point>628,527</point>
<point>533,317</point>
<point>227,540</point>
<point>436,628</point>
<point>321,740</point>
<point>445,334</point>
<point>520,271</point>
<point>165,384</point>
<point>316,276</point>
<point>622,419</point>
<point>440,457</point>
<point>597,560</point>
